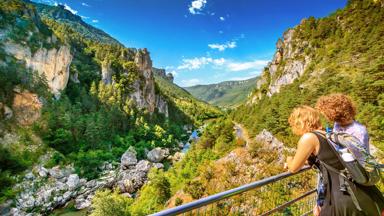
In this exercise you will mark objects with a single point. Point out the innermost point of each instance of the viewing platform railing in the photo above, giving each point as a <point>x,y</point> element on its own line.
<point>284,194</point>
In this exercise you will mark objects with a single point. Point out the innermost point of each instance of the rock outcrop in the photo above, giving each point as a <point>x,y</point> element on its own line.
<point>106,72</point>
<point>144,90</point>
<point>271,143</point>
<point>163,74</point>
<point>26,107</point>
<point>53,63</point>
<point>288,64</point>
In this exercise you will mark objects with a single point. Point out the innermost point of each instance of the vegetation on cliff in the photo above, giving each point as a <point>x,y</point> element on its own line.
<point>92,122</point>
<point>345,49</point>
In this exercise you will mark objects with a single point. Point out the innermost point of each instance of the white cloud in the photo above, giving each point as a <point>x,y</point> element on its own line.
<point>85,4</point>
<point>197,63</point>
<point>222,18</point>
<point>190,82</point>
<point>174,73</point>
<point>222,47</point>
<point>70,9</point>
<point>95,21</point>
<point>196,6</point>
<point>84,17</point>
<point>241,66</point>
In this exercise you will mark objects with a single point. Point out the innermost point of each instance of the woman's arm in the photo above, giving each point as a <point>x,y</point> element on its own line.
<point>305,147</point>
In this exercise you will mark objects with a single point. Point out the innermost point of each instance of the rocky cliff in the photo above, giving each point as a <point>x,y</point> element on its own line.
<point>144,90</point>
<point>53,64</point>
<point>289,63</point>
<point>162,73</point>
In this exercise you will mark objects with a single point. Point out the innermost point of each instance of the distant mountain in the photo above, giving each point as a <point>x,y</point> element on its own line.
<point>60,15</point>
<point>224,94</point>
<point>182,104</point>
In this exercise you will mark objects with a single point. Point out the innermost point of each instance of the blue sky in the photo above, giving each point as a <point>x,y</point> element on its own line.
<point>201,41</point>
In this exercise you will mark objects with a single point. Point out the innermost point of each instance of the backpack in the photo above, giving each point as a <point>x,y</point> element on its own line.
<point>362,168</point>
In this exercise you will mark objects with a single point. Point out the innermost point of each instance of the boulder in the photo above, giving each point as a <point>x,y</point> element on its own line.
<point>157,154</point>
<point>143,166</point>
<point>29,176</point>
<point>56,173</point>
<point>42,172</point>
<point>158,165</point>
<point>82,203</point>
<point>73,181</point>
<point>128,159</point>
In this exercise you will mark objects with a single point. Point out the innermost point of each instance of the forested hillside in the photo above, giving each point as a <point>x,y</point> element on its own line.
<point>73,101</point>
<point>85,119</point>
<point>225,94</point>
<point>183,105</point>
<point>337,53</point>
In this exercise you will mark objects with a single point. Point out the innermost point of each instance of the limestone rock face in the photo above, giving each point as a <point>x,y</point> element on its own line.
<point>162,105</point>
<point>157,154</point>
<point>288,64</point>
<point>53,64</point>
<point>106,73</point>
<point>144,93</point>
<point>26,107</point>
<point>163,74</point>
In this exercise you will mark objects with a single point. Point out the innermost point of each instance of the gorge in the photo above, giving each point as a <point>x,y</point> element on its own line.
<point>89,124</point>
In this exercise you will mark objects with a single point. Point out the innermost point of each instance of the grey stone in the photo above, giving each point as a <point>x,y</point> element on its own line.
<point>42,172</point>
<point>128,159</point>
<point>30,176</point>
<point>56,173</point>
<point>158,165</point>
<point>143,166</point>
<point>157,154</point>
<point>73,181</point>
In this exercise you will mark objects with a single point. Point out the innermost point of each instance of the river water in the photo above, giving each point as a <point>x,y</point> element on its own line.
<point>192,138</point>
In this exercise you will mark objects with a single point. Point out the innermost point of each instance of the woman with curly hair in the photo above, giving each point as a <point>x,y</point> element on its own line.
<point>305,122</point>
<point>339,109</point>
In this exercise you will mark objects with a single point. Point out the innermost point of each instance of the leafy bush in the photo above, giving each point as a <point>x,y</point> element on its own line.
<point>110,203</point>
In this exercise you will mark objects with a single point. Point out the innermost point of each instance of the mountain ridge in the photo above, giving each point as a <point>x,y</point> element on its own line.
<point>225,94</point>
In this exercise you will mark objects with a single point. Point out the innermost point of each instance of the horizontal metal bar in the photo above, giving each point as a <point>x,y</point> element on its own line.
<point>278,208</point>
<point>223,195</point>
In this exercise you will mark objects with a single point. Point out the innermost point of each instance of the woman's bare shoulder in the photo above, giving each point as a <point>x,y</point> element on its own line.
<point>307,137</point>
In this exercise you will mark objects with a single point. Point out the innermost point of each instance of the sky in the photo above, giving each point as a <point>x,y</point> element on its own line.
<point>201,41</point>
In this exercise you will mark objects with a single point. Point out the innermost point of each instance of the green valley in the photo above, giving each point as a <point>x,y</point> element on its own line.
<point>226,94</point>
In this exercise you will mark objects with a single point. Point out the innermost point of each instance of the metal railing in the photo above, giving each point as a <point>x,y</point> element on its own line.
<point>284,194</point>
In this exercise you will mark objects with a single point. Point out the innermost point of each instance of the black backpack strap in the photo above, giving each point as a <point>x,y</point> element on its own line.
<point>343,179</point>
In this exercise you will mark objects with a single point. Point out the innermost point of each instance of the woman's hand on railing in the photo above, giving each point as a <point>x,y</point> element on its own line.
<point>316,210</point>
<point>289,160</point>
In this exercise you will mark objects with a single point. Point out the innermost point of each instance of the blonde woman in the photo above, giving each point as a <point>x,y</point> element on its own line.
<point>305,122</point>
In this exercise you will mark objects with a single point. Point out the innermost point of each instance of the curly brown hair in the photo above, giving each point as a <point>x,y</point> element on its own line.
<point>337,107</point>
